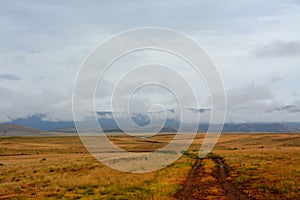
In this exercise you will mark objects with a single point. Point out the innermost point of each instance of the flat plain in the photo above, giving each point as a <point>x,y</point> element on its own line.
<point>243,165</point>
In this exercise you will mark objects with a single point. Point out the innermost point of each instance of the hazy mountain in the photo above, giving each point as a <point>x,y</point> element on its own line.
<point>260,127</point>
<point>292,124</point>
<point>110,125</point>
<point>19,130</point>
<point>36,121</point>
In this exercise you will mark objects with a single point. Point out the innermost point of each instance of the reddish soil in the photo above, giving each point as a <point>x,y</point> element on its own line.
<point>203,183</point>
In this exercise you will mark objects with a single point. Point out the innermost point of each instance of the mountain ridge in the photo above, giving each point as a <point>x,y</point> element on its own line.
<point>38,121</point>
<point>20,130</point>
<point>15,130</point>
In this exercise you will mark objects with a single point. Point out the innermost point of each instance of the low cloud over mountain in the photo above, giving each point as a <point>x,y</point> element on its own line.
<point>287,108</point>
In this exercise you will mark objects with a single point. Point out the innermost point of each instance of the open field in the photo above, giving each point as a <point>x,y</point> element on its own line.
<point>255,166</point>
<point>265,166</point>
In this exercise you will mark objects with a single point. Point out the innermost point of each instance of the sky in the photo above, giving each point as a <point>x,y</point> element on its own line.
<point>255,46</point>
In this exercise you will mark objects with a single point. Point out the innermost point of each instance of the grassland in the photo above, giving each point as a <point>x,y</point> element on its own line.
<point>60,167</point>
<point>262,166</point>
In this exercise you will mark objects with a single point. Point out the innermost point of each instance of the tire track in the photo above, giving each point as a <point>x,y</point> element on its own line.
<point>232,192</point>
<point>207,180</point>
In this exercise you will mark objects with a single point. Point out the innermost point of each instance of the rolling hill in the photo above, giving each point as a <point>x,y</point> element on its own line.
<point>19,130</point>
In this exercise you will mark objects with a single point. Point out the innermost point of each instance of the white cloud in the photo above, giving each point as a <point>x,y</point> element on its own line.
<point>279,48</point>
<point>44,43</point>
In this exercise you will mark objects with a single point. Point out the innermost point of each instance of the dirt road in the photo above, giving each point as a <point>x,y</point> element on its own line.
<point>208,180</point>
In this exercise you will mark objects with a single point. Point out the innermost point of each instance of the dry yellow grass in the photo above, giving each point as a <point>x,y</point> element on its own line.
<point>59,167</point>
<point>264,166</point>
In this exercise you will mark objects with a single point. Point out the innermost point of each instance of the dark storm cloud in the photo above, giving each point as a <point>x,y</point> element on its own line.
<point>279,48</point>
<point>11,77</point>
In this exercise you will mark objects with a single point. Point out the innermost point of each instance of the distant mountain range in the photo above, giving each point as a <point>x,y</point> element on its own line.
<point>36,125</point>
<point>37,121</point>
<point>261,127</point>
<point>19,130</point>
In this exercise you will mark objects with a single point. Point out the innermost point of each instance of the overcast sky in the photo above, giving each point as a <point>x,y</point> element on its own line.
<point>254,44</point>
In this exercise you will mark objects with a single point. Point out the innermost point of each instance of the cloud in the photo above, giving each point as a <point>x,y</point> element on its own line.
<point>102,113</point>
<point>286,108</point>
<point>11,77</point>
<point>279,48</point>
<point>17,103</point>
<point>44,44</point>
<point>248,94</point>
<point>199,110</point>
